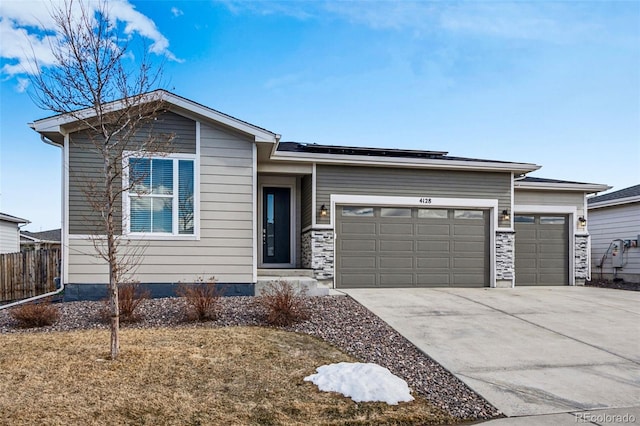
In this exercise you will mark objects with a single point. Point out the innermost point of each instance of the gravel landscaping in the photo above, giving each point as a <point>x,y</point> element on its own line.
<point>338,320</point>
<point>614,284</point>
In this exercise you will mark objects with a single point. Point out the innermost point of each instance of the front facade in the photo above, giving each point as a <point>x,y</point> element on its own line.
<point>614,223</point>
<point>232,201</point>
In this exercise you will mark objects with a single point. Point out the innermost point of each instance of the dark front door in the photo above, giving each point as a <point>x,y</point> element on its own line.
<point>276,222</point>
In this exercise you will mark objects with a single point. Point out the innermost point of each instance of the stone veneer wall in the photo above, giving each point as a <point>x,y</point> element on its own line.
<point>505,248</point>
<point>581,258</point>
<point>317,252</point>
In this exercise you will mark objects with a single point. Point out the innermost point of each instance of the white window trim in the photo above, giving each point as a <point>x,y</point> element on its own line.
<point>126,223</point>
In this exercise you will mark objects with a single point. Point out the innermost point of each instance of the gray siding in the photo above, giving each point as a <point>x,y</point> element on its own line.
<point>226,224</point>
<point>86,165</point>
<point>306,191</point>
<point>616,222</point>
<point>352,180</point>
<point>550,198</point>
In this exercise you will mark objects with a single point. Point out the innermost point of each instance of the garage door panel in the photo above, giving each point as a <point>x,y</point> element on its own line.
<point>396,246</point>
<point>549,248</point>
<point>358,245</point>
<point>467,280</point>
<point>555,264</point>
<point>396,262</point>
<point>358,228</point>
<point>358,262</point>
<point>434,279</point>
<point>396,229</point>
<point>432,246</point>
<point>394,279</point>
<point>525,248</point>
<point>468,246</point>
<point>433,230</point>
<point>524,263</point>
<point>412,250</point>
<point>550,279</point>
<point>360,280</point>
<point>526,231</point>
<point>469,230</point>
<point>433,262</point>
<point>473,263</point>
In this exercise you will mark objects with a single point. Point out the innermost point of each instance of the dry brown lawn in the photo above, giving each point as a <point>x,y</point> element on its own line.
<point>185,376</point>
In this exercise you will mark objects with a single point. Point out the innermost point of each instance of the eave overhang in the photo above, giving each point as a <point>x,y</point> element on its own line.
<point>562,186</point>
<point>419,163</point>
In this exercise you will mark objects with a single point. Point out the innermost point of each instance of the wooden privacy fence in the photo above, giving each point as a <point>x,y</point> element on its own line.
<point>28,274</point>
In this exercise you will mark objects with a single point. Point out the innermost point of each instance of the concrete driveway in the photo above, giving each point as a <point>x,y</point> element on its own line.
<point>529,350</point>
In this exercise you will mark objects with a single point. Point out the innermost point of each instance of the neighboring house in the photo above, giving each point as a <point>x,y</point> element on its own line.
<point>40,240</point>
<point>349,216</point>
<point>10,233</point>
<point>614,224</point>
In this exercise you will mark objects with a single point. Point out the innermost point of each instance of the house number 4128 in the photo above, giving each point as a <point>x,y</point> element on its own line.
<point>425,200</point>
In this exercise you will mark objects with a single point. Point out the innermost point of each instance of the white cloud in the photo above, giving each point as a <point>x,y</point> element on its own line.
<point>23,83</point>
<point>176,12</point>
<point>554,22</point>
<point>26,32</point>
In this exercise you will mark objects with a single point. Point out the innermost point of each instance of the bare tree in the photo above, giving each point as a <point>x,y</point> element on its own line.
<point>108,94</point>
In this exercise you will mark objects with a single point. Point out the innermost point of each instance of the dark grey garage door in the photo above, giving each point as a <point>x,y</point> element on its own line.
<point>542,250</point>
<point>411,247</point>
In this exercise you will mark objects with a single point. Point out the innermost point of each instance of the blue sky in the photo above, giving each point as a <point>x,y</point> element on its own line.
<point>551,83</point>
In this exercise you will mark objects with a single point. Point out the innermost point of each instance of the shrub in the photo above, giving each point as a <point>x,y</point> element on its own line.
<point>202,299</point>
<point>283,304</point>
<point>38,314</point>
<point>130,296</point>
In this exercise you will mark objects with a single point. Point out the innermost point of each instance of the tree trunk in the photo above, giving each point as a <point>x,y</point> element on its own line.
<point>113,258</point>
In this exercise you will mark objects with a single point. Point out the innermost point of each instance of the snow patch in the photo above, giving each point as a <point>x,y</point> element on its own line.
<point>361,382</point>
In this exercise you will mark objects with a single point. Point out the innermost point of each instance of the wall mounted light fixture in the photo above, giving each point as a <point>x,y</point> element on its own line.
<point>582,222</point>
<point>323,210</point>
<point>505,215</point>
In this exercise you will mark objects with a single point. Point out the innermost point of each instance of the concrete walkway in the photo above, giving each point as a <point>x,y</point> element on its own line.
<point>530,351</point>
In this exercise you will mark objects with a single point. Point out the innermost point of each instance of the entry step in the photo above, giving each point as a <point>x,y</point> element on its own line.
<point>268,272</point>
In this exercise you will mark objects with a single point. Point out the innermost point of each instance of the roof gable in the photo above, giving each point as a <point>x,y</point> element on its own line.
<point>56,124</point>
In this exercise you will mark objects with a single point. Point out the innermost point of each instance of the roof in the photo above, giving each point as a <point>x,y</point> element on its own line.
<point>297,151</point>
<point>52,235</point>
<point>51,127</point>
<point>8,218</point>
<point>531,182</point>
<point>621,196</point>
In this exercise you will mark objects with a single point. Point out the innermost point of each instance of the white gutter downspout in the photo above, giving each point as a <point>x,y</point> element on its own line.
<point>51,293</point>
<point>31,299</point>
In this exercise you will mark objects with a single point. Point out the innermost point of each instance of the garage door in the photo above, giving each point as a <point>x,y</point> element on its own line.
<point>542,250</point>
<point>411,247</point>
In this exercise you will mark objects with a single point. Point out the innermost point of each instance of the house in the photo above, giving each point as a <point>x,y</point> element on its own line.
<point>614,224</point>
<point>258,207</point>
<point>40,240</point>
<point>10,233</point>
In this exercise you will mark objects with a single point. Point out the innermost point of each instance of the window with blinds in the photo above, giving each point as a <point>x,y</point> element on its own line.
<point>161,196</point>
